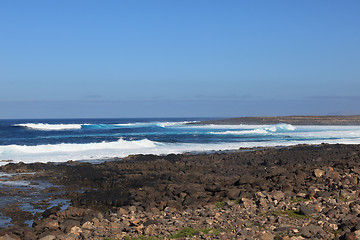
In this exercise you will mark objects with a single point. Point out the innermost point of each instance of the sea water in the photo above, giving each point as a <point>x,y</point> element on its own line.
<point>60,140</point>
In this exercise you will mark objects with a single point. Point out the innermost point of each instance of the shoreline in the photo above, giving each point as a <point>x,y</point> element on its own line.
<point>288,191</point>
<point>353,120</point>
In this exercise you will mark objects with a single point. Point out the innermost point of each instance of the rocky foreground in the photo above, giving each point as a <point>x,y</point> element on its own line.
<point>301,192</point>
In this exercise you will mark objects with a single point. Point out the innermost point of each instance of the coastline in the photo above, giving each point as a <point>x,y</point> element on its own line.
<point>293,120</point>
<point>288,191</point>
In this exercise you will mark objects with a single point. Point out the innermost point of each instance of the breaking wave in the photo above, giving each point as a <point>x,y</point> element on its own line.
<point>262,130</point>
<point>122,148</point>
<point>72,151</point>
<point>59,127</point>
<point>82,140</point>
<point>48,127</point>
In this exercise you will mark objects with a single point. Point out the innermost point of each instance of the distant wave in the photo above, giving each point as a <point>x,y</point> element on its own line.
<point>58,127</point>
<point>149,124</point>
<point>170,124</point>
<point>262,130</point>
<point>48,127</point>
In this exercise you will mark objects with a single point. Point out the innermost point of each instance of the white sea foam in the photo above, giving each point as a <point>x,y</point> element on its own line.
<point>283,135</point>
<point>57,127</point>
<point>340,134</point>
<point>261,130</point>
<point>280,127</point>
<point>173,124</point>
<point>213,126</point>
<point>48,127</point>
<point>159,124</point>
<point>122,148</point>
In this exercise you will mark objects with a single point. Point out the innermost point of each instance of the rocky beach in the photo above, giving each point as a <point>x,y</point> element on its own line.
<point>298,192</point>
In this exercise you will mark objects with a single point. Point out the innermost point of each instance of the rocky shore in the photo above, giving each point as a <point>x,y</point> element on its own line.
<point>300,192</point>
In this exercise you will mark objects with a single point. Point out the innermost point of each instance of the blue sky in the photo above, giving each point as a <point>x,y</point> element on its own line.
<point>64,59</point>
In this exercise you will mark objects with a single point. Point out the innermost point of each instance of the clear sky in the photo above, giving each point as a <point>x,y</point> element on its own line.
<point>188,58</point>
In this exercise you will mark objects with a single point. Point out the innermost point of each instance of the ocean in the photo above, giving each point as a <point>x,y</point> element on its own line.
<point>61,140</point>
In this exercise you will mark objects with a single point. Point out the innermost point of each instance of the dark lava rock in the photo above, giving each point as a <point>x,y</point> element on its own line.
<point>312,231</point>
<point>306,209</point>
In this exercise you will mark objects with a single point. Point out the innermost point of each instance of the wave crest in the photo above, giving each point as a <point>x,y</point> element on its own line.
<point>48,127</point>
<point>283,127</point>
<point>57,127</point>
<point>75,151</point>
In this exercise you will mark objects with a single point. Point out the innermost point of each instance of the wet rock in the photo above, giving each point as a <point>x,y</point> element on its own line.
<point>68,224</point>
<point>50,211</point>
<point>51,225</point>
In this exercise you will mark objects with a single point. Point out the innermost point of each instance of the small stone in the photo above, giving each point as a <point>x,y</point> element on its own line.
<point>297,238</point>
<point>87,225</point>
<point>263,203</point>
<point>334,175</point>
<point>233,193</point>
<point>132,209</point>
<point>266,236</point>
<point>356,170</point>
<point>306,209</point>
<point>96,222</point>
<point>114,225</point>
<point>170,210</point>
<point>277,195</point>
<point>121,211</point>
<point>99,215</point>
<point>357,233</point>
<point>48,237</point>
<point>318,173</point>
<point>6,237</point>
<point>29,235</point>
<point>247,203</point>
<point>70,236</point>
<point>76,231</point>
<point>52,225</point>
<point>150,230</point>
<point>311,231</point>
<point>282,228</point>
<point>355,207</point>
<point>209,221</point>
<point>350,236</point>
